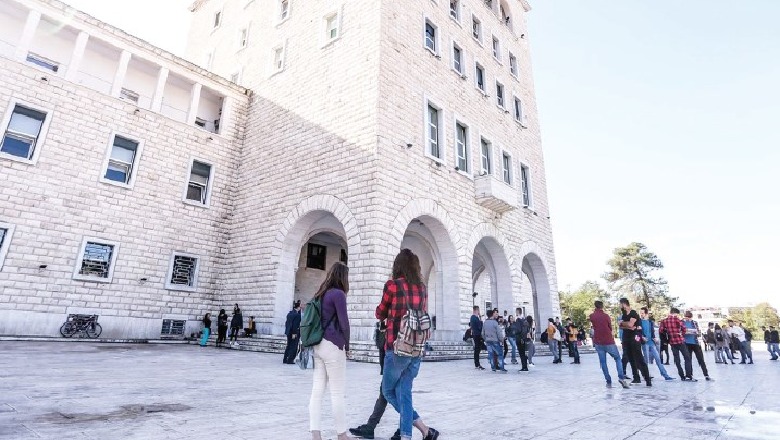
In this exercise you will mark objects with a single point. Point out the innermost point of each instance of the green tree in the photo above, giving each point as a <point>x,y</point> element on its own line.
<point>578,305</point>
<point>633,273</point>
<point>760,315</point>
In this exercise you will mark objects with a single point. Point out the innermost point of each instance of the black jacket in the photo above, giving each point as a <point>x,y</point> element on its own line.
<point>293,324</point>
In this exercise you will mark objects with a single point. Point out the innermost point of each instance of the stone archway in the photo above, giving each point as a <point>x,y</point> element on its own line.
<point>427,229</point>
<point>536,284</point>
<point>319,219</point>
<point>492,268</point>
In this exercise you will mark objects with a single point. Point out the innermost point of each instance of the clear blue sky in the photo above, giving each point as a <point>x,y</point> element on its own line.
<point>659,125</point>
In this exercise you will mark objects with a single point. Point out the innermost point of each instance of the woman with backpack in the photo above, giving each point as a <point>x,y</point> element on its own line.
<point>404,306</point>
<point>722,351</point>
<point>330,355</point>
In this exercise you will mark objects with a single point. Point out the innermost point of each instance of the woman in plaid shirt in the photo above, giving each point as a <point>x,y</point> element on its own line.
<point>400,371</point>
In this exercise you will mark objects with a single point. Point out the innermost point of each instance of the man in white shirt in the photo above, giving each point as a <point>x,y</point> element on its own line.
<point>739,333</point>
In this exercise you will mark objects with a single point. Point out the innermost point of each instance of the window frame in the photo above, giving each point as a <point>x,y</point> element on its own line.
<point>243,43</point>
<point>458,11</point>
<point>436,51</point>
<point>133,167</point>
<point>481,29</point>
<point>514,68</point>
<point>279,10</point>
<point>43,63</point>
<point>441,141</point>
<point>491,166</point>
<point>479,66</point>
<point>80,260</point>
<point>460,122</point>
<point>209,186</point>
<point>169,274</point>
<point>324,256</point>
<point>40,140</point>
<point>501,96</point>
<point>462,71</point>
<point>526,189</point>
<point>6,243</point>
<point>216,19</point>
<point>521,120</point>
<point>496,49</point>
<point>327,40</point>
<point>504,174</point>
<point>281,48</point>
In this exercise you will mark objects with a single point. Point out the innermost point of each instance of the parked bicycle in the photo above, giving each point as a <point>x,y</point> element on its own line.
<point>81,324</point>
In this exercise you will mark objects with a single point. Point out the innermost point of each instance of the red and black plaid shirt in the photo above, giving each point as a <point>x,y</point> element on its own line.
<point>393,307</point>
<point>673,327</point>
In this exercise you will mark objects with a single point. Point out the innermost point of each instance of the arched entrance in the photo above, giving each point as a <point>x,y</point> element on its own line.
<point>491,276</point>
<point>536,282</point>
<point>317,233</point>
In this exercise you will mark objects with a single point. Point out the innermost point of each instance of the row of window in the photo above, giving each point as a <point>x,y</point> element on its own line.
<point>25,128</point>
<point>432,43</point>
<point>434,139</point>
<point>96,261</point>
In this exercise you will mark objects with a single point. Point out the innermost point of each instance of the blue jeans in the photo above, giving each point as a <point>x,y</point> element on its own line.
<point>513,345</point>
<point>646,353</point>
<point>746,351</point>
<point>612,350</point>
<point>494,347</point>
<point>205,337</point>
<point>553,344</point>
<point>397,380</point>
<point>652,353</point>
<point>774,350</point>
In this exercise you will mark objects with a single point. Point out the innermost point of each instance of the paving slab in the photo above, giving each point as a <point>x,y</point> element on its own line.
<point>147,391</point>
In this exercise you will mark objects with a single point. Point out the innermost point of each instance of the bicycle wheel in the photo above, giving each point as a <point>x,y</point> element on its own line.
<point>66,330</point>
<point>94,330</point>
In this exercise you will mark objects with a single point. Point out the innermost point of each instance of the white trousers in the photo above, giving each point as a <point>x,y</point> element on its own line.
<point>330,367</point>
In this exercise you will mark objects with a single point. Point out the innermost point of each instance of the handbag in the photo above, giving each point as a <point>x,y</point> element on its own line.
<point>305,359</point>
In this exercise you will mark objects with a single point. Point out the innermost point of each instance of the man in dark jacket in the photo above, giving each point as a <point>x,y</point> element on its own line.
<point>475,325</point>
<point>521,333</point>
<point>292,328</point>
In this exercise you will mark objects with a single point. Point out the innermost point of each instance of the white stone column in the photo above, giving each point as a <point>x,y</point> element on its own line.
<point>121,71</point>
<point>33,18</point>
<point>77,56</point>
<point>226,121</point>
<point>159,90</point>
<point>194,101</point>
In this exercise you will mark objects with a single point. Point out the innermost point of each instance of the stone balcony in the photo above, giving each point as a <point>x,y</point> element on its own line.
<point>495,194</point>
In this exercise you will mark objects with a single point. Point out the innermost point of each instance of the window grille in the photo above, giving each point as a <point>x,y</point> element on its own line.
<point>315,256</point>
<point>173,327</point>
<point>183,271</point>
<point>96,261</point>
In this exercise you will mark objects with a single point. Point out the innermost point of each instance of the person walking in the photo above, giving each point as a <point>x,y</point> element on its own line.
<point>766,339</point>
<point>692,334</point>
<point>530,339</point>
<point>722,351</point>
<point>673,326</point>
<point>222,326</point>
<point>404,292</point>
<point>330,355</point>
<point>632,337</point>
<point>491,332</point>
<point>206,329</point>
<point>292,329</point>
<point>236,324</point>
<point>774,343</point>
<point>520,326</point>
<point>553,340</point>
<point>571,337</point>
<point>562,333</point>
<point>738,333</point>
<point>749,339</point>
<point>511,337</point>
<point>648,342</point>
<point>604,343</point>
<point>475,325</point>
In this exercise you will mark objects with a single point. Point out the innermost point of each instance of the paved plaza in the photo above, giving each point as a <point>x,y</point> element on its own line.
<point>55,390</point>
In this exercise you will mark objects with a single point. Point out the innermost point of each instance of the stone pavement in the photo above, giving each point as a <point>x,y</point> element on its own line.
<point>56,390</point>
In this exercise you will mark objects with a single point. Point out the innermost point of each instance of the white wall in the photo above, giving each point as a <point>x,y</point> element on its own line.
<point>98,66</point>
<point>142,79</point>
<point>12,21</point>
<point>54,41</point>
<point>176,98</point>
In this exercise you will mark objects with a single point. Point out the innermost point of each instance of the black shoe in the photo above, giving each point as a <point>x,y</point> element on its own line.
<point>397,435</point>
<point>362,431</point>
<point>432,434</point>
<point>743,362</point>
<point>480,367</point>
<point>523,369</point>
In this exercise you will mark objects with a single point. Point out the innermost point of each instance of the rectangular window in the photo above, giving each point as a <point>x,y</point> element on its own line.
<point>462,147</point>
<point>500,94</point>
<point>476,28</point>
<point>430,37</point>
<point>496,49</point>
<point>525,185</point>
<point>23,132</point>
<point>433,119</point>
<point>207,59</point>
<point>455,9</point>
<point>40,61</point>
<point>183,271</point>
<point>173,327</point>
<point>235,77</point>
<point>278,59</point>
<point>457,58</point>
<point>506,161</point>
<point>331,27</point>
<point>487,156</point>
<point>129,95</point>
<point>217,19</point>
<point>6,230</point>
<point>512,64</point>
<point>284,10</point>
<point>315,256</point>
<point>95,261</point>
<point>518,110</point>
<point>198,185</point>
<point>479,77</point>
<point>121,160</point>
<point>343,256</point>
<point>243,37</point>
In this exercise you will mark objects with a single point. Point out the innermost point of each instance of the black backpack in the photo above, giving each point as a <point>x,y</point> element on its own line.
<point>467,335</point>
<point>543,339</point>
<point>719,336</point>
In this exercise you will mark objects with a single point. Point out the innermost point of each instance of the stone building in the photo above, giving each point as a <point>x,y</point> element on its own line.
<point>157,190</point>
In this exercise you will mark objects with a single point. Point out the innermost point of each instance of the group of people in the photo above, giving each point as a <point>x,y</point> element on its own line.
<point>236,324</point>
<point>404,295</point>
<point>497,334</point>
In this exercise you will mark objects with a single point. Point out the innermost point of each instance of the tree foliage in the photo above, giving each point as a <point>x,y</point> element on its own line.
<point>761,315</point>
<point>578,304</point>
<point>633,273</point>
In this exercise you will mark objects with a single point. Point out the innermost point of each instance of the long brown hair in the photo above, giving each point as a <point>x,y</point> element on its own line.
<point>407,265</point>
<point>338,278</point>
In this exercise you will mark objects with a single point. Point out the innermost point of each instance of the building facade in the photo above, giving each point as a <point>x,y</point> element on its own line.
<point>347,130</point>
